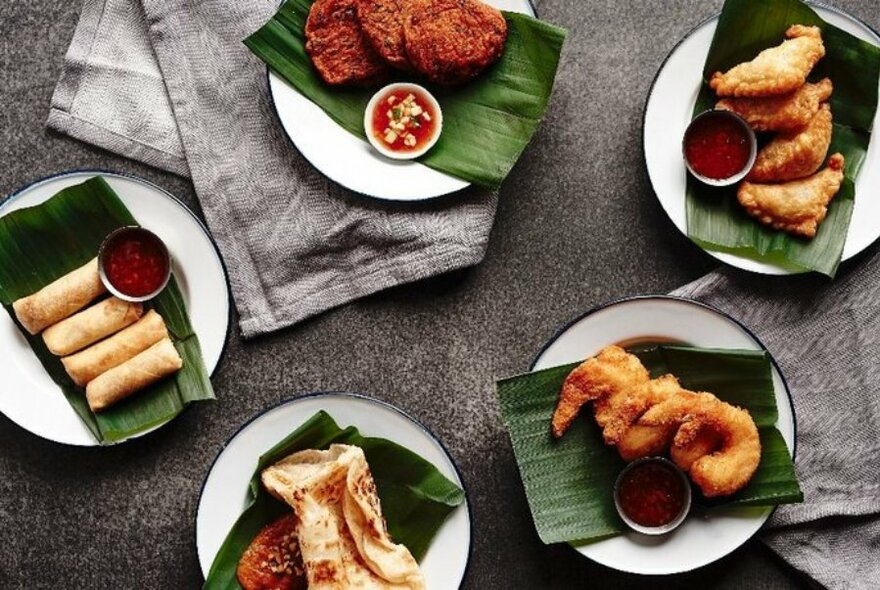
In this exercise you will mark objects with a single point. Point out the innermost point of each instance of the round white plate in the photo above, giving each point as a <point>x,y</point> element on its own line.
<point>351,161</point>
<point>30,398</point>
<point>698,541</point>
<point>225,491</point>
<point>668,112</point>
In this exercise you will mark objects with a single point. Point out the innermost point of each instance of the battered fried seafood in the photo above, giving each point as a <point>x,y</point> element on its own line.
<point>714,441</point>
<point>451,41</point>
<point>732,466</point>
<point>611,371</point>
<point>797,154</point>
<point>338,47</point>
<point>776,70</point>
<point>787,112</point>
<point>798,206</point>
<point>382,24</point>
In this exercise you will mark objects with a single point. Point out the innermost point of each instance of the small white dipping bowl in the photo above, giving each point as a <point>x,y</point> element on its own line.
<point>377,142</point>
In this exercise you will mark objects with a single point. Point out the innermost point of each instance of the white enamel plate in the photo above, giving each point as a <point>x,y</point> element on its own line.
<point>698,541</point>
<point>29,397</point>
<point>224,494</point>
<point>668,112</point>
<point>351,161</point>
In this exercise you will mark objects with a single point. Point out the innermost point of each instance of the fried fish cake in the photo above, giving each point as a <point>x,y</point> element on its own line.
<point>798,206</point>
<point>452,41</point>
<point>382,24</point>
<point>776,70</point>
<point>338,48</point>
<point>788,112</point>
<point>794,155</point>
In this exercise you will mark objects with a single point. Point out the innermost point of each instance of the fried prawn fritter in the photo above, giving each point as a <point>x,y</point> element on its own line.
<point>623,409</point>
<point>798,206</point>
<point>451,41</point>
<point>338,48</point>
<point>382,24</point>
<point>611,371</point>
<point>797,154</point>
<point>692,441</point>
<point>729,468</point>
<point>776,70</point>
<point>641,440</point>
<point>787,112</point>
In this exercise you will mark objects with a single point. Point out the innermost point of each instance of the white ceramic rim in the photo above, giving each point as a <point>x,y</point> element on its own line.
<point>667,111</point>
<point>212,525</point>
<point>628,552</point>
<point>351,161</point>
<point>379,145</point>
<point>211,320</point>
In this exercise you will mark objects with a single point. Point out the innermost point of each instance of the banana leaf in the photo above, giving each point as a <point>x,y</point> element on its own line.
<point>416,498</point>
<point>568,482</point>
<point>487,123</point>
<point>40,244</point>
<point>714,218</point>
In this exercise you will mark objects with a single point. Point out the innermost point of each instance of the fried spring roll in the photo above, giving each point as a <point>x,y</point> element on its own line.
<point>156,362</point>
<point>60,299</point>
<point>90,325</point>
<point>112,352</point>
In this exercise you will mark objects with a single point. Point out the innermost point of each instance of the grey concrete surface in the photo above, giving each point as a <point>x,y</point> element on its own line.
<point>578,224</point>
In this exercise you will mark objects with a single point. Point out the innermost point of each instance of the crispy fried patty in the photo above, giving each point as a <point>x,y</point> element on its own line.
<point>382,23</point>
<point>338,47</point>
<point>451,41</point>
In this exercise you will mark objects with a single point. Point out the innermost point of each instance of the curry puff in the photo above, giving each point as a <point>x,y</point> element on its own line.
<point>798,206</point>
<point>716,443</point>
<point>797,154</point>
<point>776,70</point>
<point>785,112</point>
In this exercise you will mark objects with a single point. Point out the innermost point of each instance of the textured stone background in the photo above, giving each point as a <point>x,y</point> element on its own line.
<point>577,225</point>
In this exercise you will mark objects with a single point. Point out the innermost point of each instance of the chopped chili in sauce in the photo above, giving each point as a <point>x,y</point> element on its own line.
<point>404,120</point>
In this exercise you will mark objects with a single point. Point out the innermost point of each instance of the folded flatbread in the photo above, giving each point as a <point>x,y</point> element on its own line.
<point>342,534</point>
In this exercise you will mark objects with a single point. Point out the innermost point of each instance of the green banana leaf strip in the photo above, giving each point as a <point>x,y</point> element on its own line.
<point>487,123</point>
<point>714,218</point>
<point>416,498</point>
<point>568,482</point>
<point>40,244</point>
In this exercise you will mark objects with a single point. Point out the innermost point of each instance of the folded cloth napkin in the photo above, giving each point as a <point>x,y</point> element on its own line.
<point>826,338</point>
<point>170,83</point>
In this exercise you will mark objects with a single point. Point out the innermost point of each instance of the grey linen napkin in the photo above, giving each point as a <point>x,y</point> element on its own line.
<point>825,335</point>
<point>169,83</point>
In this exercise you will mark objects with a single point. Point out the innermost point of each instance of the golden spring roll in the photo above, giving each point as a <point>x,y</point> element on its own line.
<point>90,325</point>
<point>60,299</point>
<point>103,356</point>
<point>156,362</point>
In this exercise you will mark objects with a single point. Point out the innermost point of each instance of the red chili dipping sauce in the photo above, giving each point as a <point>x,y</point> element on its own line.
<point>651,494</point>
<point>135,262</point>
<point>404,120</point>
<point>717,147</point>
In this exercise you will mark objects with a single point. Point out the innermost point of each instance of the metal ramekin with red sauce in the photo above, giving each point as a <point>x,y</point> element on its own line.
<point>134,263</point>
<point>719,147</point>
